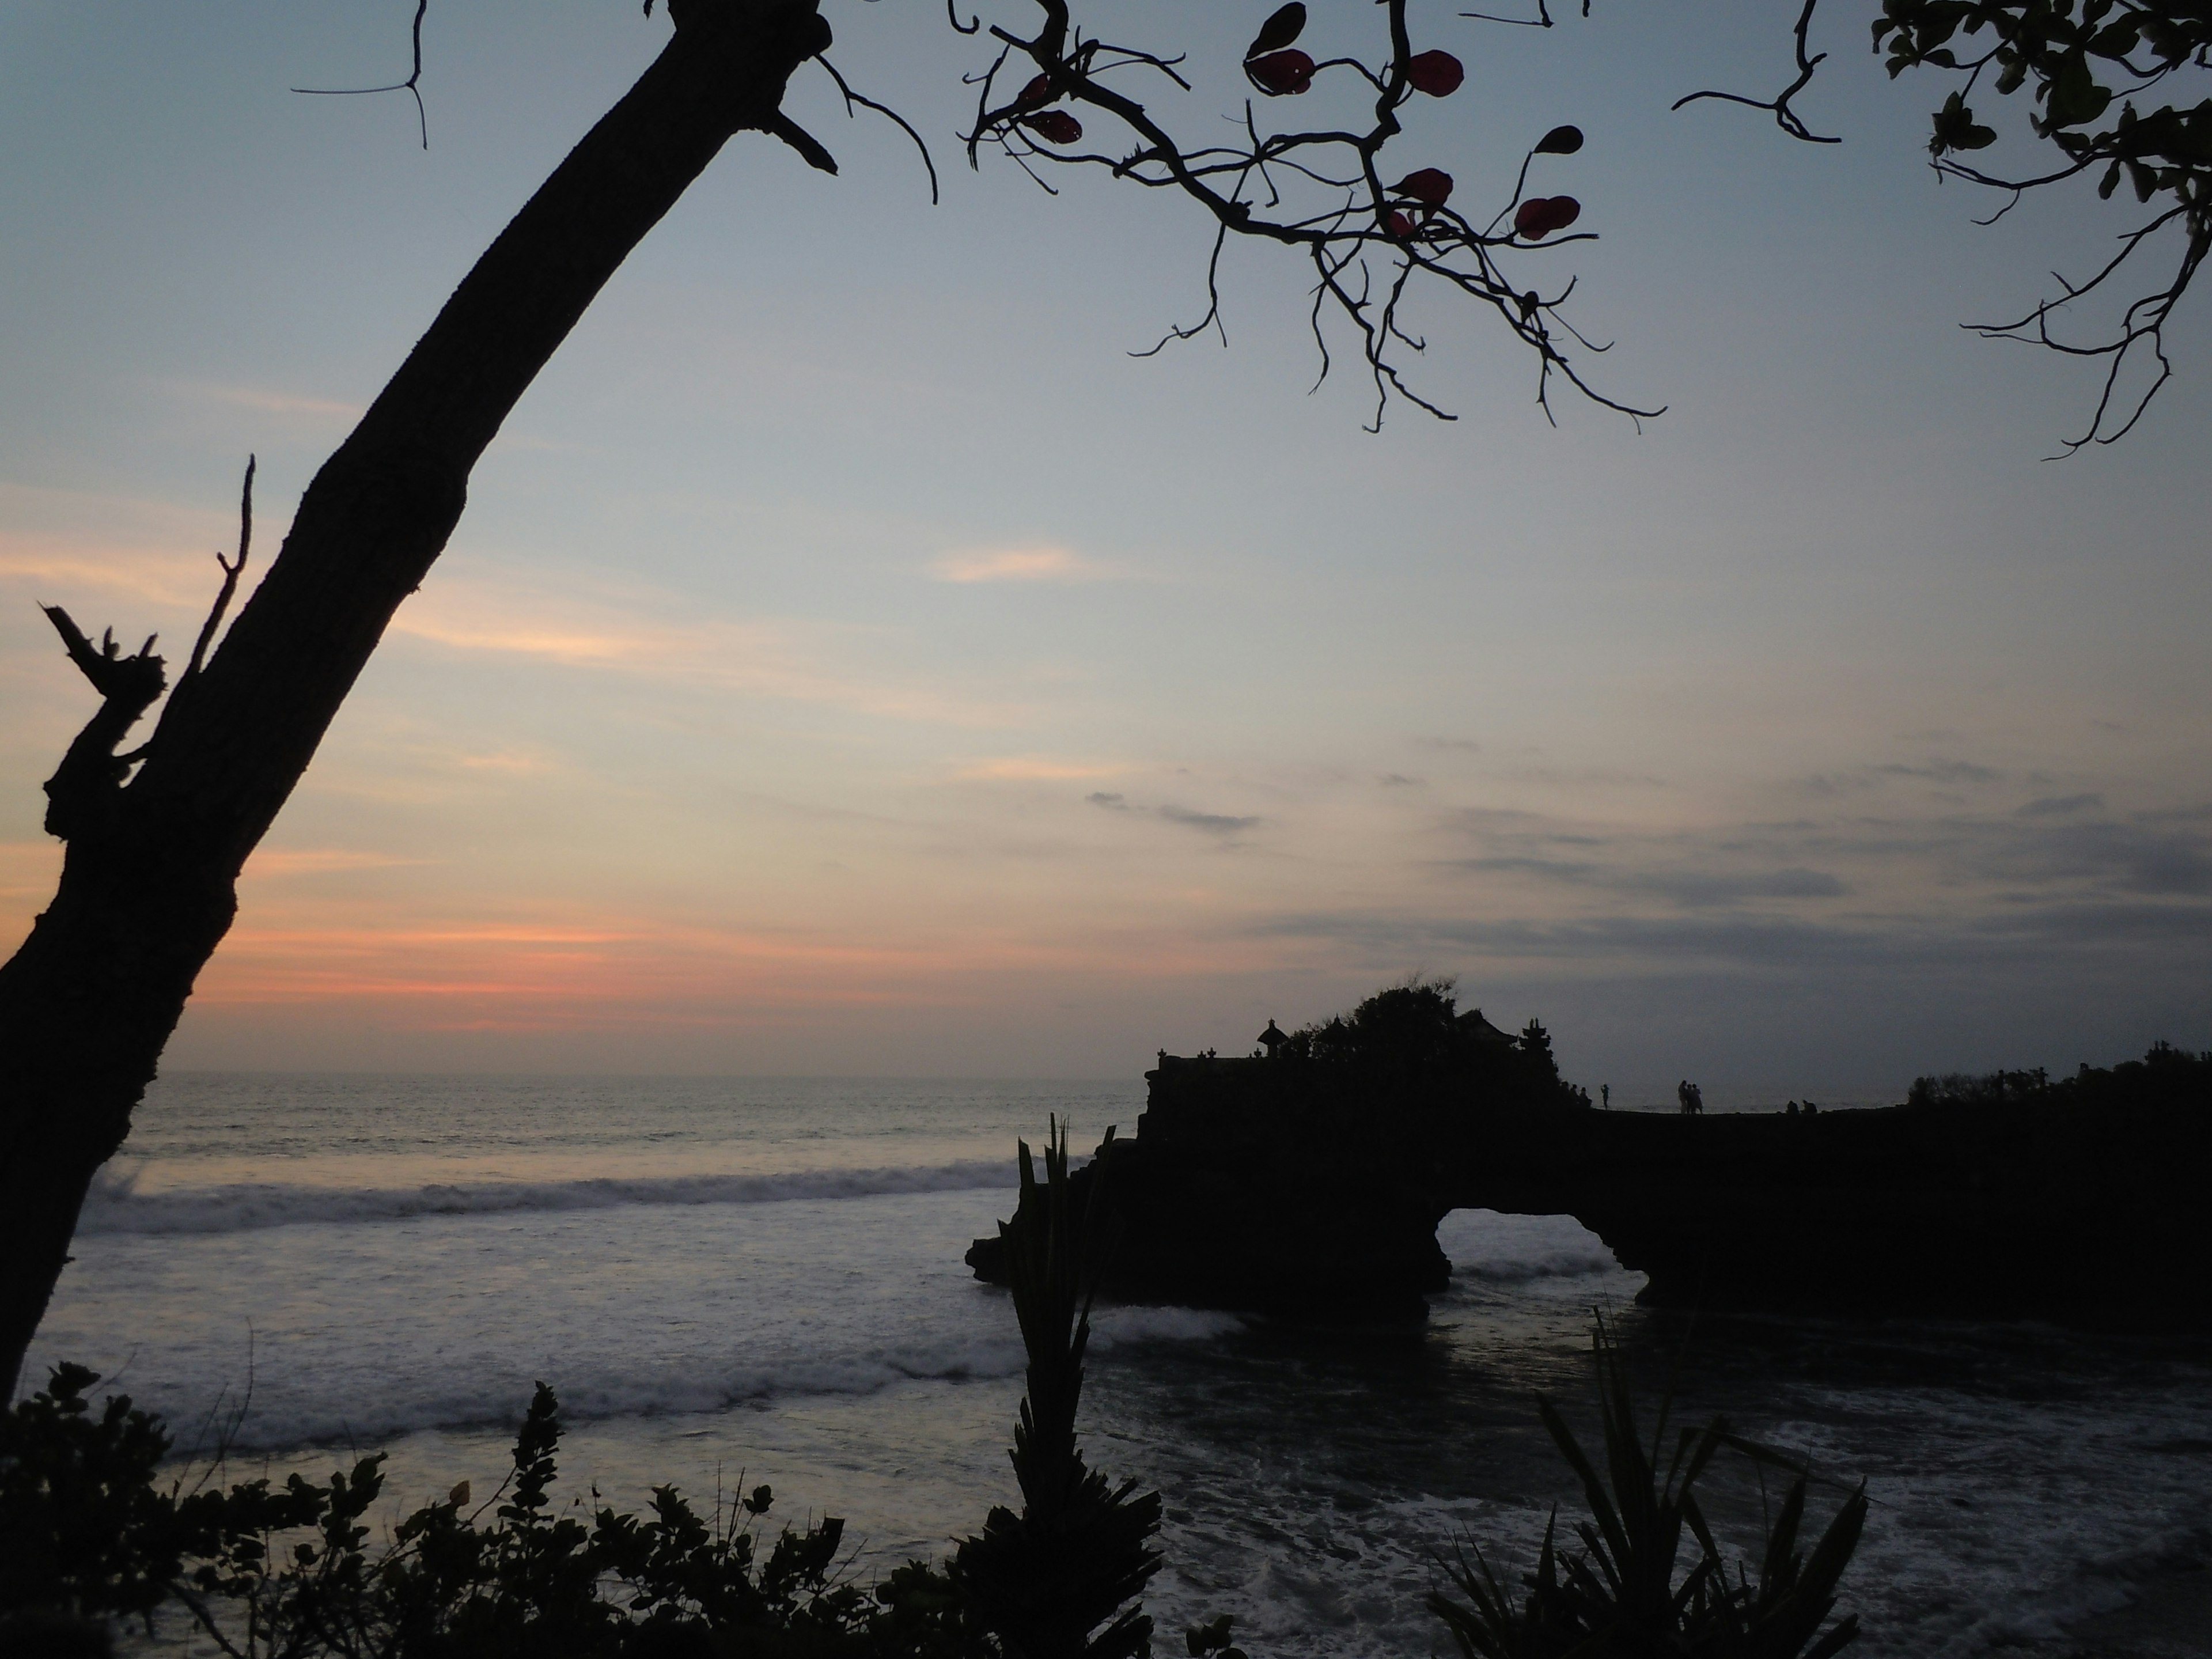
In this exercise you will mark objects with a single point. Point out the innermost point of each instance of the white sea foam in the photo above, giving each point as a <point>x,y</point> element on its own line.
<point>114,1205</point>
<point>1513,1250</point>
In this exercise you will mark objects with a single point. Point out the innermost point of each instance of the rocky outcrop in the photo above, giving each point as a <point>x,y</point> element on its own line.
<point>1315,1190</point>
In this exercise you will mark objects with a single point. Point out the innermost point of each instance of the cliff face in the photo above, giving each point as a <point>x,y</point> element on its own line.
<point>1315,1190</point>
<point>1244,1189</point>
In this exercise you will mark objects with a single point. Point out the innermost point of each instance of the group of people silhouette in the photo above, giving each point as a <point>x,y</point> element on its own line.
<point>1692,1098</point>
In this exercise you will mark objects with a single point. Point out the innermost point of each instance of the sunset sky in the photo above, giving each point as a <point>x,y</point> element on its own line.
<point>854,660</point>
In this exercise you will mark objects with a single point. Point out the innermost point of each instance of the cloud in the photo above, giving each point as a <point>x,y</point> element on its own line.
<point>80,573</point>
<point>1214,824</point>
<point>1690,888</point>
<point>2052,806</point>
<point>2132,856</point>
<point>1399,781</point>
<point>518,761</point>
<point>272,401</point>
<point>315,862</point>
<point>1944,771</point>
<point>630,633</point>
<point>1765,945</point>
<point>1021,768</point>
<point>1020,564</point>
<point>1951,774</point>
<point>1945,866</point>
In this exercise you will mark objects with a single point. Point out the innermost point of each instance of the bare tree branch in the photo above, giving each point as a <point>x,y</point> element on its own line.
<point>886,110</point>
<point>91,775</point>
<point>2062,52</point>
<point>1784,117</point>
<point>230,574</point>
<point>412,85</point>
<point>1370,242</point>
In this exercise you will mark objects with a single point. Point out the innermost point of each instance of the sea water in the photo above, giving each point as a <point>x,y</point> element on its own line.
<point>748,1282</point>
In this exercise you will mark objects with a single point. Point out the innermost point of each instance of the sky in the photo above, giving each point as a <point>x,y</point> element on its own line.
<point>854,660</point>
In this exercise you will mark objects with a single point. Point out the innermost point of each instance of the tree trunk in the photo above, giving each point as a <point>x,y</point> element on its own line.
<point>149,885</point>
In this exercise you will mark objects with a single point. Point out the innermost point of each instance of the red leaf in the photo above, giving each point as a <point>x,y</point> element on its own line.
<point>1038,92</point>
<point>1430,186</point>
<point>1056,126</point>
<point>1561,141</point>
<point>1281,27</point>
<point>1437,73</point>
<point>1399,226</point>
<point>1539,215</point>
<point>1281,72</point>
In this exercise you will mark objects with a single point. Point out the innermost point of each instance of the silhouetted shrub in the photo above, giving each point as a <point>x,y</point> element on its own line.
<point>2164,1075</point>
<point>1619,1598</point>
<point>88,1533</point>
<point>1079,1553</point>
<point>1414,1036</point>
<point>281,1572</point>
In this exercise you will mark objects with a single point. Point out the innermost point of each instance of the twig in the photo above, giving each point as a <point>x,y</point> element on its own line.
<point>1785,118</point>
<point>230,572</point>
<point>412,85</point>
<point>886,110</point>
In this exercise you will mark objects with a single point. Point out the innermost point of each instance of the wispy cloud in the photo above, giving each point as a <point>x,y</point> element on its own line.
<point>272,401</point>
<point>76,573</point>
<point>1945,774</point>
<point>1214,823</point>
<point>1689,888</point>
<point>2053,805</point>
<point>1224,824</point>
<point>320,861</point>
<point>1021,564</point>
<point>1950,859</point>
<point>1026,768</point>
<point>633,634</point>
<point>1765,944</point>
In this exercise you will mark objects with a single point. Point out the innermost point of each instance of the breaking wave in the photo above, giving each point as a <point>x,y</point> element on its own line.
<point>114,1205</point>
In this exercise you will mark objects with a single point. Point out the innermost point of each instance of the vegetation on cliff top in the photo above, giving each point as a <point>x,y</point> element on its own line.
<point>1414,1036</point>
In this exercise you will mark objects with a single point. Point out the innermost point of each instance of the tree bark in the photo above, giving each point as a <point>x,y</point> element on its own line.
<point>148,882</point>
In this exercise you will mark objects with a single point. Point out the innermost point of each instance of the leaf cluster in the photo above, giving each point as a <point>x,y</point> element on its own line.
<point>1620,1594</point>
<point>2079,61</point>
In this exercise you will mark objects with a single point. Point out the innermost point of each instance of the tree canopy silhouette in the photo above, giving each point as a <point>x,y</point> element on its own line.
<point>157,834</point>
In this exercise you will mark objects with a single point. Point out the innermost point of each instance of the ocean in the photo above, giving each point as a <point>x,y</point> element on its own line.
<point>757,1281</point>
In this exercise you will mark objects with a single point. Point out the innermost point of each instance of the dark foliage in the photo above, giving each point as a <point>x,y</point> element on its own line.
<point>1413,1037</point>
<point>267,1572</point>
<point>1079,1553</point>
<point>2164,1076</point>
<point>1620,1597</point>
<point>2108,84</point>
<point>88,1533</point>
